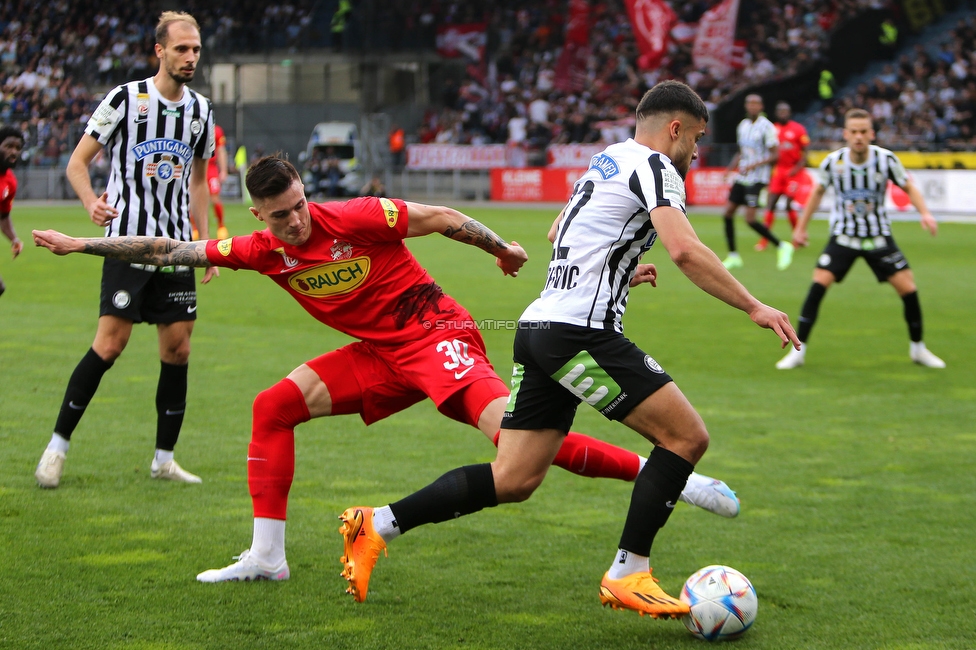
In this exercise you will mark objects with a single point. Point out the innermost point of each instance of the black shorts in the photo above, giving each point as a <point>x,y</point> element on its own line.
<point>557,366</point>
<point>746,194</point>
<point>881,253</point>
<point>161,296</point>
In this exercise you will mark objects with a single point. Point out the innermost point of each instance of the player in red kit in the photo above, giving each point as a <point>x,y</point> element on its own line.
<point>793,143</point>
<point>11,144</point>
<point>216,175</point>
<point>347,265</point>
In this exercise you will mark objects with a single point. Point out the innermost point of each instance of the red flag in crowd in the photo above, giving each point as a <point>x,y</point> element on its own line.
<point>651,21</point>
<point>716,34</point>
<point>578,26</point>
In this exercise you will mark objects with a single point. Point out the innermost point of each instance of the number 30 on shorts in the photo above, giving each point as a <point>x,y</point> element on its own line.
<point>457,355</point>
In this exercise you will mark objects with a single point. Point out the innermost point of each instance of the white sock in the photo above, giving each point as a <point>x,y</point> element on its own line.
<point>802,351</point>
<point>162,457</point>
<point>384,523</point>
<point>914,348</point>
<point>627,563</point>
<point>58,444</point>
<point>268,542</point>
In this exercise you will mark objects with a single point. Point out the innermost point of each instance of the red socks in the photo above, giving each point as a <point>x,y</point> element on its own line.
<point>586,456</point>
<point>271,454</point>
<point>219,211</point>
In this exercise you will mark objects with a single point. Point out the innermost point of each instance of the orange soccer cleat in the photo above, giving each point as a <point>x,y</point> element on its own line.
<point>639,592</point>
<point>361,546</point>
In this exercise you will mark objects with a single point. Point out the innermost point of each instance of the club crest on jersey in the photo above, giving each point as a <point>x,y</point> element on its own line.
<point>341,250</point>
<point>195,127</point>
<point>334,278</point>
<point>604,164</point>
<point>289,261</point>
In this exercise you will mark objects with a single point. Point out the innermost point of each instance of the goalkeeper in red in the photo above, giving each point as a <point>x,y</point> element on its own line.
<point>347,265</point>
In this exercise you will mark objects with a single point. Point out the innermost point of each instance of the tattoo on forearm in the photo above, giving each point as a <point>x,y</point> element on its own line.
<point>149,250</point>
<point>477,234</point>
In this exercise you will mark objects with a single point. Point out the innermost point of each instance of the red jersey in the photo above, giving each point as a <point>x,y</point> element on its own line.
<point>354,273</point>
<point>8,190</point>
<point>219,141</point>
<point>793,141</point>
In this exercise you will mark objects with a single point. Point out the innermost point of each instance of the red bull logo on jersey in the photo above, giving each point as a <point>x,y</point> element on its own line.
<point>332,279</point>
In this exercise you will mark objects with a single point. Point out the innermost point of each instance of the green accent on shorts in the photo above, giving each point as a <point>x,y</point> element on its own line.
<point>518,371</point>
<point>584,377</point>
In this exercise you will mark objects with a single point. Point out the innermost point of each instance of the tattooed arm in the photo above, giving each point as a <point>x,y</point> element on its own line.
<point>137,250</point>
<point>427,219</point>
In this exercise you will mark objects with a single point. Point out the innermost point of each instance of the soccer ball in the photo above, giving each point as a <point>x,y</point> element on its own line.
<point>723,603</point>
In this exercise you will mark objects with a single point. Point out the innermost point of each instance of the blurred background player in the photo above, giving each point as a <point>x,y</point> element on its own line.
<point>792,161</point>
<point>758,149</point>
<point>11,144</point>
<point>216,175</point>
<point>859,227</point>
<point>152,187</point>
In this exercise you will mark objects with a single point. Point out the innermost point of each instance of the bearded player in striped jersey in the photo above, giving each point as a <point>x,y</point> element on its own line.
<point>570,348</point>
<point>158,135</point>
<point>859,227</point>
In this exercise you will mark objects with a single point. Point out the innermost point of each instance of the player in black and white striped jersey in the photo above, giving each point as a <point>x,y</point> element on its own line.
<point>570,348</point>
<point>758,149</point>
<point>859,227</point>
<point>158,134</point>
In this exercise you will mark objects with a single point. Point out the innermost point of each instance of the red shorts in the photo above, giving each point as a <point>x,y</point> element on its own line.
<point>783,183</point>
<point>378,381</point>
<point>213,182</point>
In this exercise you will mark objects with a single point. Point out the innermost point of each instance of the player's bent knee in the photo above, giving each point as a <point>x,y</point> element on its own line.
<point>278,408</point>
<point>512,489</point>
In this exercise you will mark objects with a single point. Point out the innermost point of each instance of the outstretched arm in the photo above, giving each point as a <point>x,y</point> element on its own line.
<point>703,267</point>
<point>160,251</point>
<point>427,219</point>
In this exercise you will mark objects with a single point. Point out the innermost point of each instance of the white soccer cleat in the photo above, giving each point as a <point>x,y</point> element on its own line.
<point>48,472</point>
<point>246,569</point>
<point>173,472</point>
<point>923,357</point>
<point>733,261</point>
<point>710,494</point>
<point>793,359</point>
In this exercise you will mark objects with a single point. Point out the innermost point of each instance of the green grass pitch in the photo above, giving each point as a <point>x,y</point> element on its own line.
<point>855,471</point>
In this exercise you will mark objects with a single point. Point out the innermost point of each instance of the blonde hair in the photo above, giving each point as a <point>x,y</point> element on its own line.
<point>856,114</point>
<point>167,18</point>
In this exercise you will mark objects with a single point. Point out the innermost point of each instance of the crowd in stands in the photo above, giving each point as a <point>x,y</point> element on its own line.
<point>517,101</point>
<point>923,101</point>
<point>58,58</point>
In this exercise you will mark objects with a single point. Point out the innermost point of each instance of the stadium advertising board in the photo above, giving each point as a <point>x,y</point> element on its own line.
<point>456,156</point>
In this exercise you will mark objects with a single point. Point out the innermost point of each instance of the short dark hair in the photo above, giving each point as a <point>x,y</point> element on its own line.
<point>270,176</point>
<point>671,97</point>
<point>11,132</point>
